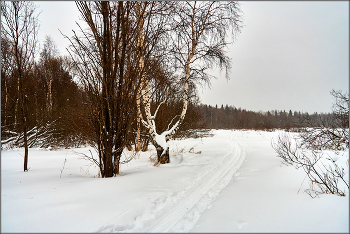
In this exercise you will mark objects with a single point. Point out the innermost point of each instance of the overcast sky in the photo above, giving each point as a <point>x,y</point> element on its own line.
<point>288,56</point>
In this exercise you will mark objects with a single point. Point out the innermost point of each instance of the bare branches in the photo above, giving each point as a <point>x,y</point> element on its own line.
<point>165,98</point>
<point>105,59</point>
<point>185,39</point>
<point>198,41</point>
<point>19,26</point>
<point>202,26</point>
<point>306,150</point>
<point>323,172</point>
<point>333,130</point>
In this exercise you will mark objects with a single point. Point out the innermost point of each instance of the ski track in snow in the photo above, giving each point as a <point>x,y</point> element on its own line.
<point>179,211</point>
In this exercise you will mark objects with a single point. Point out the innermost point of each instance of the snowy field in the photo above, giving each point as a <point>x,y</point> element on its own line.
<point>231,182</point>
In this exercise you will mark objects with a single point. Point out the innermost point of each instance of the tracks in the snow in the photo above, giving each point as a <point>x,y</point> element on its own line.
<point>185,214</point>
<point>180,210</point>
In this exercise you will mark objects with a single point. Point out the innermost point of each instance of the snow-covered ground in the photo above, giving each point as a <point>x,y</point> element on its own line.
<point>231,182</point>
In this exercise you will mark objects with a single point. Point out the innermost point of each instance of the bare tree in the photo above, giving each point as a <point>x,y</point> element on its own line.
<point>152,20</point>
<point>47,55</point>
<point>20,26</point>
<point>6,72</point>
<point>106,68</point>
<point>196,42</point>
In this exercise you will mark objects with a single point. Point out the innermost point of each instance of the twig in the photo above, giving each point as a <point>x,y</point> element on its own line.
<point>64,163</point>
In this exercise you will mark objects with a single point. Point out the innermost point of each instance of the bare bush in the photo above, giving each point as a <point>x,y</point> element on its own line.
<point>45,135</point>
<point>193,133</point>
<point>332,131</point>
<point>307,149</point>
<point>324,174</point>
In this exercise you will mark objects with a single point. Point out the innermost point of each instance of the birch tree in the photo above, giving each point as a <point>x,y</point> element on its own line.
<point>47,55</point>
<point>19,25</point>
<point>198,36</point>
<point>152,21</point>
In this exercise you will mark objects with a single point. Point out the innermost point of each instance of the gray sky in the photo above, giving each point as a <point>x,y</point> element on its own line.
<point>289,55</point>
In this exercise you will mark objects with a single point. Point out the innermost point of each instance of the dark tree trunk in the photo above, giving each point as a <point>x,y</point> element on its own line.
<point>25,137</point>
<point>117,156</point>
<point>23,112</point>
<point>163,159</point>
<point>108,163</point>
<point>25,148</point>
<point>145,143</point>
<point>116,166</point>
<point>100,155</point>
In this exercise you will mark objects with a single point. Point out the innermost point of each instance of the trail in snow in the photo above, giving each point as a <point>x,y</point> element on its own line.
<point>179,211</point>
<point>185,214</point>
<point>200,190</point>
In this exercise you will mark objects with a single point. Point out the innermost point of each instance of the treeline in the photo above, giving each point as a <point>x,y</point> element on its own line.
<point>230,117</point>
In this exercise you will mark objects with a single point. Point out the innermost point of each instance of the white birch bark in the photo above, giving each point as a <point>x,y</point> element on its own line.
<point>49,94</point>
<point>159,140</point>
<point>140,44</point>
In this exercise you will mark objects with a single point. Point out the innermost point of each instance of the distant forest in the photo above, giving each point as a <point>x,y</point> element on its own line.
<point>230,117</point>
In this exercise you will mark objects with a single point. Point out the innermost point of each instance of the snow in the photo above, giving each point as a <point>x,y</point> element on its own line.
<point>160,139</point>
<point>264,197</point>
<point>232,182</point>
